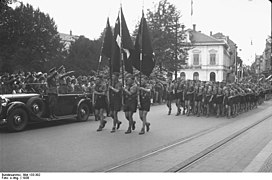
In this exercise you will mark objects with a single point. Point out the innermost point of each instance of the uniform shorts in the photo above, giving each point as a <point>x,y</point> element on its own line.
<point>198,98</point>
<point>116,104</point>
<point>101,102</point>
<point>219,99</point>
<point>169,96</point>
<point>189,97</point>
<point>130,106</point>
<point>145,105</point>
<point>179,96</point>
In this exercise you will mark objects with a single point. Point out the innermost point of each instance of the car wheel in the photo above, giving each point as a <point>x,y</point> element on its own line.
<point>83,112</point>
<point>36,106</point>
<point>17,119</point>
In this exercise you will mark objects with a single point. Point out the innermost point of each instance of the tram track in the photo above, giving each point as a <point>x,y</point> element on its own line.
<point>160,149</point>
<point>181,167</point>
<point>202,155</point>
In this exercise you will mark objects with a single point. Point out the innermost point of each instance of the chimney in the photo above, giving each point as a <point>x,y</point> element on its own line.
<point>71,33</point>
<point>194,27</point>
<point>210,33</point>
<point>182,27</point>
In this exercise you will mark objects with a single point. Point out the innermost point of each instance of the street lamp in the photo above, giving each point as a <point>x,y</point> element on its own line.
<point>176,51</point>
<point>235,63</point>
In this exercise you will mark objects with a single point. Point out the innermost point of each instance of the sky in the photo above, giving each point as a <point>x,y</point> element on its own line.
<point>244,21</point>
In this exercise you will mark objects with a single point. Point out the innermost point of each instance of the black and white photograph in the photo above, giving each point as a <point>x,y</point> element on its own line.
<point>138,88</point>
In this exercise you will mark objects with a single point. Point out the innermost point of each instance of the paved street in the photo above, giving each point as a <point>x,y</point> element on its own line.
<point>76,146</point>
<point>238,154</point>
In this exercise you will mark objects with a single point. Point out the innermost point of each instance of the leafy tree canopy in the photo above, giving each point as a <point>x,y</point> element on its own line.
<point>167,36</point>
<point>29,40</point>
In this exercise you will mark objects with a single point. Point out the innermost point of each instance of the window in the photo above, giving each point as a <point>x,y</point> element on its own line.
<point>196,59</point>
<point>196,76</point>
<point>212,59</point>
<point>212,76</point>
<point>182,75</point>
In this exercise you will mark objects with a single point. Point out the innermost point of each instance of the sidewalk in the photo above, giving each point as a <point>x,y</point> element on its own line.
<point>263,161</point>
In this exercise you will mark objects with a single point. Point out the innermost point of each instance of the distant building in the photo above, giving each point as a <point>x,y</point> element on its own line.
<point>263,62</point>
<point>209,59</point>
<point>267,55</point>
<point>67,39</point>
<point>259,64</point>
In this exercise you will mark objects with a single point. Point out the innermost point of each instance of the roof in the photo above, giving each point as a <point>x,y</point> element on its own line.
<point>68,37</point>
<point>198,37</point>
<point>220,35</point>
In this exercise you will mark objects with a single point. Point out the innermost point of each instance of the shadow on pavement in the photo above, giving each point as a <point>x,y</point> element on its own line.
<point>47,124</point>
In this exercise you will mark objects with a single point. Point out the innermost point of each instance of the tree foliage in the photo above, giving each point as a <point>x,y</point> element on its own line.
<point>167,35</point>
<point>83,56</point>
<point>29,40</point>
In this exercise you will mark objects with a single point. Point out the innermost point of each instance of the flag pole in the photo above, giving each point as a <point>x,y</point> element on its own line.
<point>121,46</point>
<point>121,54</point>
<point>141,50</point>
<point>100,56</point>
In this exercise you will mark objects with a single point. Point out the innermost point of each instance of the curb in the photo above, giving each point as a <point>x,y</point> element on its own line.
<point>257,163</point>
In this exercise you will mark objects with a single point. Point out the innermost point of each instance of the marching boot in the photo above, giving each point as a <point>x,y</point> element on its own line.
<point>103,123</point>
<point>113,130</point>
<point>118,124</point>
<point>133,125</point>
<point>99,128</point>
<point>129,128</point>
<point>169,112</point>
<point>142,131</point>
<point>128,131</point>
<point>179,111</point>
<point>147,127</point>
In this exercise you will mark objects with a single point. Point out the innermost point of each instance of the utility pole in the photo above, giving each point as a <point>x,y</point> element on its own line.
<point>176,51</point>
<point>235,63</point>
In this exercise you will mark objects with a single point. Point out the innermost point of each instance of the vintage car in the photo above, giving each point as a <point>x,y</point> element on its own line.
<point>17,110</point>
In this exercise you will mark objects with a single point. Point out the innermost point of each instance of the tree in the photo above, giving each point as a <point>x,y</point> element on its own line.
<point>167,36</point>
<point>29,40</point>
<point>83,55</point>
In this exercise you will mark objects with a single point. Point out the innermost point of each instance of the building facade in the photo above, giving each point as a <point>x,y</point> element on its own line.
<point>67,39</point>
<point>263,62</point>
<point>209,59</point>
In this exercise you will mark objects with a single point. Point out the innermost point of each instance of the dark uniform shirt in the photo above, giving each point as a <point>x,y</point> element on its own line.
<point>52,83</point>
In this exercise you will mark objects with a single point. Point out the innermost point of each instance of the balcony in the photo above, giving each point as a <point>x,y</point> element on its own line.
<point>191,66</point>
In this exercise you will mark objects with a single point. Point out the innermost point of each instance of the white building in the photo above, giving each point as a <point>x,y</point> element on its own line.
<point>209,59</point>
<point>67,39</point>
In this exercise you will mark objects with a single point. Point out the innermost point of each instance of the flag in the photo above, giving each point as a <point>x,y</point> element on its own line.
<point>107,42</point>
<point>191,7</point>
<point>143,50</point>
<point>122,40</point>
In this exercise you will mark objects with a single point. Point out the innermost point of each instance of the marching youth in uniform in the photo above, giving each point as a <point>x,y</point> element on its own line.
<point>52,91</point>
<point>198,100</point>
<point>100,101</point>
<point>115,98</point>
<point>207,99</point>
<point>169,94</point>
<point>179,96</point>
<point>130,101</point>
<point>189,97</point>
<point>144,104</point>
<point>219,102</point>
